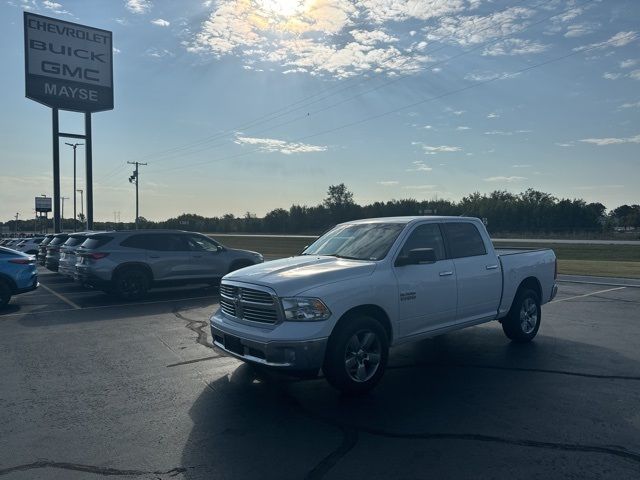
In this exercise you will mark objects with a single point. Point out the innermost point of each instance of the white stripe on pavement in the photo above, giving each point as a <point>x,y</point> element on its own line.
<point>61,297</point>
<point>588,294</point>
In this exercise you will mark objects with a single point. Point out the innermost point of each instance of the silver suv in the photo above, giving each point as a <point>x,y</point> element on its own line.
<point>67,260</point>
<point>128,263</point>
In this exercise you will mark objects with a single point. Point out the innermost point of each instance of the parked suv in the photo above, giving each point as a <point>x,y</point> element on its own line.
<point>29,245</point>
<point>53,251</point>
<point>42,248</point>
<point>18,274</point>
<point>128,263</point>
<point>67,260</point>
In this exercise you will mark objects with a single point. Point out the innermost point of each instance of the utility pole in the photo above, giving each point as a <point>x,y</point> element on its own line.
<point>62,213</point>
<point>74,146</point>
<point>134,178</point>
<point>81,202</point>
<point>17,214</point>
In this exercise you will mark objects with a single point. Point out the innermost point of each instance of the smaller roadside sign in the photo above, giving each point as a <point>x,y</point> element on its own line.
<point>67,65</point>
<point>43,204</point>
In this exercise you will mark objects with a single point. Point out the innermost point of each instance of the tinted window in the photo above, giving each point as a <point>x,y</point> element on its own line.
<point>74,240</point>
<point>168,243</point>
<point>138,241</point>
<point>199,243</point>
<point>425,236</point>
<point>59,240</point>
<point>464,240</point>
<point>46,240</point>
<point>96,242</point>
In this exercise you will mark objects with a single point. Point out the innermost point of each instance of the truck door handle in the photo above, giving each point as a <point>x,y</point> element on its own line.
<point>491,267</point>
<point>446,274</point>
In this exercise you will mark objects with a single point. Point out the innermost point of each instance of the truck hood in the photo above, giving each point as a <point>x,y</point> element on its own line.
<point>291,276</point>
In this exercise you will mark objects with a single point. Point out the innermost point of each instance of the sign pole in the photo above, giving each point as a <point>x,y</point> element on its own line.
<point>56,171</point>
<point>89,169</point>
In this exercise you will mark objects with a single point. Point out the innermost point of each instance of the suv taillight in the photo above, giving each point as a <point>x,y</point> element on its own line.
<point>97,255</point>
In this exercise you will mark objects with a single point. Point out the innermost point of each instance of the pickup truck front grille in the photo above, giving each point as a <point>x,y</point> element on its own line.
<point>248,304</point>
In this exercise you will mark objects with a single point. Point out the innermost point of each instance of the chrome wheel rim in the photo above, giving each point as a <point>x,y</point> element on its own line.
<point>363,355</point>
<point>528,315</point>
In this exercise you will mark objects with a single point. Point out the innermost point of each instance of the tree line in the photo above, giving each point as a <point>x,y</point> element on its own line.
<point>528,212</point>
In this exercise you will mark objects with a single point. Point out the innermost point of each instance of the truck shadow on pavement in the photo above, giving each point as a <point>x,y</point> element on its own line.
<point>468,404</point>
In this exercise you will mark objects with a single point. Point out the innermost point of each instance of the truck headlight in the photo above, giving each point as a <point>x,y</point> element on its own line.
<point>305,309</point>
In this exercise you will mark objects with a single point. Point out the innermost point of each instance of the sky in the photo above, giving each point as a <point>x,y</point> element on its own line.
<point>248,105</point>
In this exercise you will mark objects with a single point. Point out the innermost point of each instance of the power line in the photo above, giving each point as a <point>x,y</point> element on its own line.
<point>287,109</point>
<point>410,105</point>
<point>390,82</point>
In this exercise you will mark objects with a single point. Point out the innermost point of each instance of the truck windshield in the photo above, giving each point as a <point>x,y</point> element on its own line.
<point>363,241</point>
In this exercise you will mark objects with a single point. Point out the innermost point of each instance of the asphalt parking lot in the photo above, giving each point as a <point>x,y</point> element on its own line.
<point>93,388</point>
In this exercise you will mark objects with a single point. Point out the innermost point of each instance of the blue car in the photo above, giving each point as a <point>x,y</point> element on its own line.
<point>18,274</point>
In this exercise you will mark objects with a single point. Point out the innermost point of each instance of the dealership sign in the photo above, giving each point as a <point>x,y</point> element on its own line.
<point>43,204</point>
<point>68,66</point>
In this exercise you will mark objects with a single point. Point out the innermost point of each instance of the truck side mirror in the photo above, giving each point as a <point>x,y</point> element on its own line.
<point>417,256</point>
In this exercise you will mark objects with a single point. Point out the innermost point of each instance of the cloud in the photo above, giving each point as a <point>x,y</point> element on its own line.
<point>380,11</point>
<point>635,75</point>
<point>138,6</point>
<point>611,76</point>
<point>520,166</point>
<point>630,62</point>
<point>566,144</point>
<point>514,46</point>
<point>321,37</point>
<point>161,22</point>
<point>580,29</point>
<point>512,179</point>
<point>159,53</point>
<point>611,140</point>
<point>51,5</point>
<point>630,105</point>
<point>388,183</point>
<point>464,31</point>
<point>372,37</point>
<point>498,132</point>
<point>55,7</point>
<point>272,145</point>
<point>116,50</point>
<point>463,127</point>
<point>433,150</point>
<point>620,39</point>
<point>488,76</point>
<point>419,166</point>
<point>493,115</point>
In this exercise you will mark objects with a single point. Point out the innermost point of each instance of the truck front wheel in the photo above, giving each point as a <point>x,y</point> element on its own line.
<point>356,355</point>
<point>523,320</point>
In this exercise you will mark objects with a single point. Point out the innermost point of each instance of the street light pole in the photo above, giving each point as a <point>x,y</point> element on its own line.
<point>17,214</point>
<point>81,202</point>
<point>62,213</point>
<point>74,146</point>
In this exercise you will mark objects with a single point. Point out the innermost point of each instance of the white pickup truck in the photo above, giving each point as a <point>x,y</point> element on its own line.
<point>370,284</point>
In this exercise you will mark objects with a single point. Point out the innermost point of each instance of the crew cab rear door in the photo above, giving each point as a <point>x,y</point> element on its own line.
<point>427,292</point>
<point>478,274</point>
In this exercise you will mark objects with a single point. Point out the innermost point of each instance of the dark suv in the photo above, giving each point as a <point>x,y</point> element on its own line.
<point>128,263</point>
<point>53,251</point>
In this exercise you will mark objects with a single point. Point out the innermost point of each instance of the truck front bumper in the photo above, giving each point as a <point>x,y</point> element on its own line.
<point>289,355</point>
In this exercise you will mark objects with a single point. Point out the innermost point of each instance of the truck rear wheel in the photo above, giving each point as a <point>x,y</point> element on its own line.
<point>523,320</point>
<point>356,355</point>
